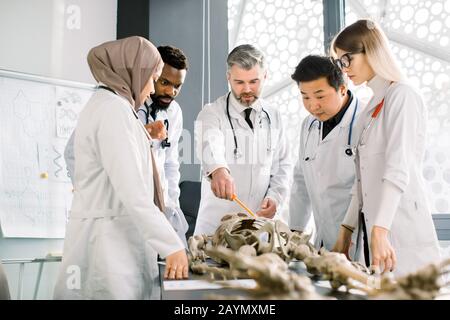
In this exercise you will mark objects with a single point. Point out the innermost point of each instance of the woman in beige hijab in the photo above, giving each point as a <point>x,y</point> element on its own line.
<point>116,227</point>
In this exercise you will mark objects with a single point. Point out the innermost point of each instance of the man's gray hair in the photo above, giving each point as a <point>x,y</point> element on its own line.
<point>246,57</point>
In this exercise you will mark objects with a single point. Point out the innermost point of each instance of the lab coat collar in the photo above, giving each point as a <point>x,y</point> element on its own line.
<point>113,92</point>
<point>237,109</point>
<point>101,84</point>
<point>347,118</point>
<point>345,121</point>
<point>379,87</point>
<point>149,103</point>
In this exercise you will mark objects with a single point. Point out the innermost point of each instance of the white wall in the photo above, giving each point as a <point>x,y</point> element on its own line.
<point>49,38</point>
<point>52,37</point>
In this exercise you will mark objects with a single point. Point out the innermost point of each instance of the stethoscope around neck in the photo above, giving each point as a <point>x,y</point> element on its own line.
<point>348,151</point>
<point>236,152</point>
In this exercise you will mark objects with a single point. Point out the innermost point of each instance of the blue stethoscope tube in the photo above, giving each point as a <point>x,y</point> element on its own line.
<point>349,152</point>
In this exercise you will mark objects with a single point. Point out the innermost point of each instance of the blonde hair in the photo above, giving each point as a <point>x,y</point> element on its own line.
<point>366,36</point>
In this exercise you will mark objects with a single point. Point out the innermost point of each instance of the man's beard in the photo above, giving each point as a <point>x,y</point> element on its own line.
<point>158,104</point>
<point>244,95</point>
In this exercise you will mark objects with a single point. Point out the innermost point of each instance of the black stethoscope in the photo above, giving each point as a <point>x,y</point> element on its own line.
<point>237,154</point>
<point>165,143</point>
<point>348,151</point>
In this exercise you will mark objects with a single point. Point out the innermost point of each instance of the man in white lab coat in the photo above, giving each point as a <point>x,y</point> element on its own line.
<point>325,172</point>
<point>163,119</point>
<point>242,146</point>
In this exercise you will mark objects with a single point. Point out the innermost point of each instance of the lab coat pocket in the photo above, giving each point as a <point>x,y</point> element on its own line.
<point>372,149</point>
<point>265,170</point>
<point>262,180</point>
<point>411,225</point>
<point>264,151</point>
<point>344,167</point>
<point>119,258</point>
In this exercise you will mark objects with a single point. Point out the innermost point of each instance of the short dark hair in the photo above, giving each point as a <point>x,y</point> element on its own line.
<point>314,67</point>
<point>174,57</point>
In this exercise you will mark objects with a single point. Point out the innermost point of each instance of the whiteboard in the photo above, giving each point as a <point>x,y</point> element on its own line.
<point>37,116</point>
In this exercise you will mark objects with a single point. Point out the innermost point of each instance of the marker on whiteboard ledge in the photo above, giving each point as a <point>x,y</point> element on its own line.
<point>44,175</point>
<point>54,255</point>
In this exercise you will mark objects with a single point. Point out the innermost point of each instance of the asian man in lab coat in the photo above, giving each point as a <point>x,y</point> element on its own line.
<point>163,119</point>
<point>325,172</point>
<point>242,146</point>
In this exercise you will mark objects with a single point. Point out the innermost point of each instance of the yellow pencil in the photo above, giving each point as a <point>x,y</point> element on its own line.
<point>239,202</point>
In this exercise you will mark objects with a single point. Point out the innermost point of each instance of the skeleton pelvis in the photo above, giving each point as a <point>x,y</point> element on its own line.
<point>238,230</point>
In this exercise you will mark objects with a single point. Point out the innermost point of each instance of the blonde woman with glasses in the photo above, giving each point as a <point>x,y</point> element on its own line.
<point>389,206</point>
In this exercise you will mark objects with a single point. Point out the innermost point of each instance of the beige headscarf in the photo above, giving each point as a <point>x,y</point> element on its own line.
<point>125,65</point>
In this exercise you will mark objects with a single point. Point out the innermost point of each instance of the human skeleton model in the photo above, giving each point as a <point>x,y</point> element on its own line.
<point>273,278</point>
<point>264,235</point>
<point>422,284</point>
<point>261,249</point>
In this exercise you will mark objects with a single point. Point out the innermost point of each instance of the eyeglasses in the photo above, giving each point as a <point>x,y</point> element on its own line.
<point>344,61</point>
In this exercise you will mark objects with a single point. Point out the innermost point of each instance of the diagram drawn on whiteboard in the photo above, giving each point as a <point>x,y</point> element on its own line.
<point>35,189</point>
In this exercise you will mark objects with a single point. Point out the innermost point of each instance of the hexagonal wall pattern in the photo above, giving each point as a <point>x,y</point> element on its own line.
<point>285,31</point>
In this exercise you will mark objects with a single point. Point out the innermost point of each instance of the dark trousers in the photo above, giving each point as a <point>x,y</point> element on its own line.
<point>365,239</point>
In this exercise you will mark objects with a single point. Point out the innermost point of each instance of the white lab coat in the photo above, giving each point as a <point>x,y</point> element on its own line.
<point>168,164</point>
<point>166,161</point>
<point>264,170</point>
<point>114,231</point>
<point>323,177</point>
<point>393,150</point>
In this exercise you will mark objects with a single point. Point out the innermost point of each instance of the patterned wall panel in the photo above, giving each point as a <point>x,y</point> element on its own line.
<point>286,31</point>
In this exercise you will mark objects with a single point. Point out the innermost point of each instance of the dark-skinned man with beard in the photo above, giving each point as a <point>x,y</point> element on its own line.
<point>163,119</point>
